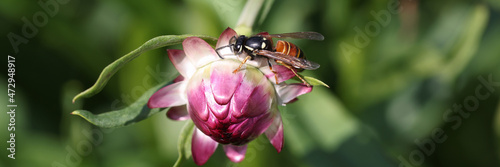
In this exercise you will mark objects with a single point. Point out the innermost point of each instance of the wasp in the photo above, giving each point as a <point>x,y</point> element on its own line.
<point>285,53</point>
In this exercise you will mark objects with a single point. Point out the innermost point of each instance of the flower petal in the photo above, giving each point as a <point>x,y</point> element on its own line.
<point>223,82</point>
<point>197,102</point>
<point>220,111</point>
<point>202,147</point>
<point>168,96</point>
<point>235,153</point>
<point>178,79</point>
<point>225,37</point>
<point>250,101</point>
<point>181,62</point>
<point>223,44</point>
<point>248,129</point>
<point>198,51</point>
<point>283,73</point>
<point>275,133</point>
<point>178,113</point>
<point>290,92</point>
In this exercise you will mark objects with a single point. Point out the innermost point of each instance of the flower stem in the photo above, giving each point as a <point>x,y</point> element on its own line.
<point>184,142</point>
<point>247,17</point>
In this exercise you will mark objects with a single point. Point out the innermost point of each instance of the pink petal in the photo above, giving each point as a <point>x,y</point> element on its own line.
<point>249,128</point>
<point>219,110</point>
<point>178,113</point>
<point>283,73</point>
<point>178,79</point>
<point>199,123</point>
<point>293,100</point>
<point>168,96</point>
<point>235,153</point>
<point>197,102</point>
<point>275,133</point>
<point>225,37</point>
<point>259,102</point>
<point>181,62</point>
<point>202,147</point>
<point>250,101</point>
<point>198,51</point>
<point>224,83</point>
<point>290,92</point>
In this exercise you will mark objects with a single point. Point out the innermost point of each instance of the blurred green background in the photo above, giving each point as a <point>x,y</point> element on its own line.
<point>408,88</point>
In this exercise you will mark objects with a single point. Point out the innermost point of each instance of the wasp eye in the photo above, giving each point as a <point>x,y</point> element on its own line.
<point>237,48</point>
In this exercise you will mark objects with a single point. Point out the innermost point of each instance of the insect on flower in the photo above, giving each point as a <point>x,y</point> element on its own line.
<point>285,53</point>
<point>227,109</point>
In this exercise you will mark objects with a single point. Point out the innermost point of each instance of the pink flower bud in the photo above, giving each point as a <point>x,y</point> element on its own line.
<point>227,108</point>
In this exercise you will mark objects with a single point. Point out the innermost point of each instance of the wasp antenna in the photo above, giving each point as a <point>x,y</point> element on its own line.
<point>217,51</point>
<point>219,48</point>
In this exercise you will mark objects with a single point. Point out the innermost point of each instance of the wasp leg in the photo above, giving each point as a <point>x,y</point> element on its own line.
<point>243,62</point>
<point>291,68</point>
<point>275,73</point>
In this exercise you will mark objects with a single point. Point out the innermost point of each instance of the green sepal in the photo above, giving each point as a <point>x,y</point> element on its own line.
<point>315,82</point>
<point>135,112</point>
<point>155,43</point>
<point>311,81</point>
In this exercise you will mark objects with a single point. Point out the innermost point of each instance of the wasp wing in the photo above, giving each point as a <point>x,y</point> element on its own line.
<point>297,35</point>
<point>290,60</point>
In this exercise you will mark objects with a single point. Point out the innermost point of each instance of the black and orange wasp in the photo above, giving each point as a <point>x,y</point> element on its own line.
<point>285,53</point>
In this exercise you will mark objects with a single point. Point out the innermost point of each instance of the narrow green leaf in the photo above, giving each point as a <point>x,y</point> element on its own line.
<point>265,10</point>
<point>467,44</point>
<point>248,16</point>
<point>154,43</point>
<point>315,82</point>
<point>136,112</point>
<point>184,144</point>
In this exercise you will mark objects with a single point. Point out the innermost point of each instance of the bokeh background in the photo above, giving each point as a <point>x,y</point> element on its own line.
<point>407,88</point>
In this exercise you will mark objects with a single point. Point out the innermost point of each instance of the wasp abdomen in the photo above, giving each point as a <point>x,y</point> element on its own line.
<point>289,49</point>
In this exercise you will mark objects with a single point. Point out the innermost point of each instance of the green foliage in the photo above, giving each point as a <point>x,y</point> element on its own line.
<point>184,145</point>
<point>315,82</point>
<point>135,112</point>
<point>112,68</point>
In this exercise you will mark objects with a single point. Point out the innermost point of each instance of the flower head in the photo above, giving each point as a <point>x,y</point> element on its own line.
<point>227,108</point>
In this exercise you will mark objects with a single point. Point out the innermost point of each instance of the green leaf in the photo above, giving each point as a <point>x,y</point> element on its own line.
<point>184,145</point>
<point>315,82</point>
<point>154,43</point>
<point>467,43</point>
<point>248,16</point>
<point>308,122</point>
<point>136,112</point>
<point>265,10</point>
